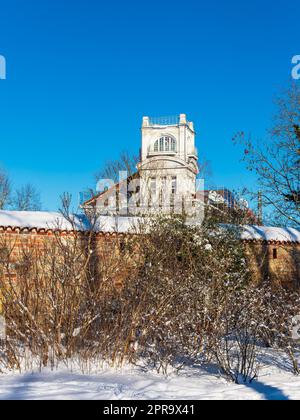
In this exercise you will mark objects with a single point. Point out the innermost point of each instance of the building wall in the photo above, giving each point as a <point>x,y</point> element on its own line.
<point>183,132</point>
<point>165,165</point>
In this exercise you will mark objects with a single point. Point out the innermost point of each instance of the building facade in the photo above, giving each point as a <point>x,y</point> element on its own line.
<point>168,167</point>
<point>165,178</point>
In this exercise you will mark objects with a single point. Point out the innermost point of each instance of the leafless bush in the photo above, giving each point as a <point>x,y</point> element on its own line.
<point>176,295</point>
<point>278,308</point>
<point>236,332</point>
<point>181,287</point>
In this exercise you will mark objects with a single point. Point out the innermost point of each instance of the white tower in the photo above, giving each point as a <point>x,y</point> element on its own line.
<point>168,161</point>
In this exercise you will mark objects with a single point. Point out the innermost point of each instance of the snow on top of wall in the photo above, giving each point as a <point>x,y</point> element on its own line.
<point>39,220</point>
<point>266,233</point>
<point>53,221</point>
<point>122,224</point>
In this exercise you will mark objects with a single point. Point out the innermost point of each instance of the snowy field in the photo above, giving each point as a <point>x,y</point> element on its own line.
<point>195,384</point>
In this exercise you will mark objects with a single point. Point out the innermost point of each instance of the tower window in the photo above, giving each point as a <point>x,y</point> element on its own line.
<point>165,144</point>
<point>174,185</point>
<point>153,186</point>
<point>161,144</point>
<point>163,191</point>
<point>275,254</point>
<point>164,185</point>
<point>173,145</point>
<point>152,192</point>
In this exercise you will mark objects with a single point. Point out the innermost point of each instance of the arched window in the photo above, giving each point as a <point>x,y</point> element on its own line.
<point>173,145</point>
<point>161,144</point>
<point>165,144</point>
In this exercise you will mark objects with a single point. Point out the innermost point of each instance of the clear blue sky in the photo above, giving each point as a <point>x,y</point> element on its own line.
<point>81,74</point>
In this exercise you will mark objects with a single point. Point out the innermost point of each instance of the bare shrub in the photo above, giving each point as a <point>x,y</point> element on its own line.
<point>175,295</point>
<point>279,307</point>
<point>236,333</point>
<point>180,286</point>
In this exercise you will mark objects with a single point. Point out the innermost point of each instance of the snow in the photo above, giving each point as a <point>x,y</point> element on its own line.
<point>123,224</point>
<point>39,220</point>
<point>54,220</point>
<point>120,224</point>
<point>266,233</point>
<point>133,384</point>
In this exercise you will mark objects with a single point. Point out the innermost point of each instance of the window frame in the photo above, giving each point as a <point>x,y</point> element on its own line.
<point>165,144</point>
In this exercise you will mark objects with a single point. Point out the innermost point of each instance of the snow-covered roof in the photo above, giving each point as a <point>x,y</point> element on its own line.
<point>270,234</point>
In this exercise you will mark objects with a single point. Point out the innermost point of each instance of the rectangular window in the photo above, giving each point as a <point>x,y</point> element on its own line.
<point>152,192</point>
<point>153,186</point>
<point>173,192</point>
<point>275,254</point>
<point>163,191</point>
<point>164,186</point>
<point>174,185</point>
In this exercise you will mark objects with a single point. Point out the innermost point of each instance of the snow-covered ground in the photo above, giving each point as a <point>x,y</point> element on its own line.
<point>133,384</point>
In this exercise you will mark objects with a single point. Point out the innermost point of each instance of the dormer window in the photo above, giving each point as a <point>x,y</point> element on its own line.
<point>165,144</point>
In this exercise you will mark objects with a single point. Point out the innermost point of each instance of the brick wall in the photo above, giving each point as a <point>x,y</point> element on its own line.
<point>107,249</point>
<point>277,261</point>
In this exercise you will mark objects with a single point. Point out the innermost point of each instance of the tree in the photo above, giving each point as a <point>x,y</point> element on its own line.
<point>111,169</point>
<point>294,196</point>
<point>277,161</point>
<point>5,189</point>
<point>27,198</point>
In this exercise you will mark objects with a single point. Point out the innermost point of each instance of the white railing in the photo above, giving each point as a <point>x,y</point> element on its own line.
<point>169,120</point>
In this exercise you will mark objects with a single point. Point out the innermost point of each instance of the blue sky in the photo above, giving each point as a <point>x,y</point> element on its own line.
<point>81,74</point>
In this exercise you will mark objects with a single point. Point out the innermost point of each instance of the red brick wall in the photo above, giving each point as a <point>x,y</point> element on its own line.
<point>277,261</point>
<point>108,252</point>
<point>282,265</point>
